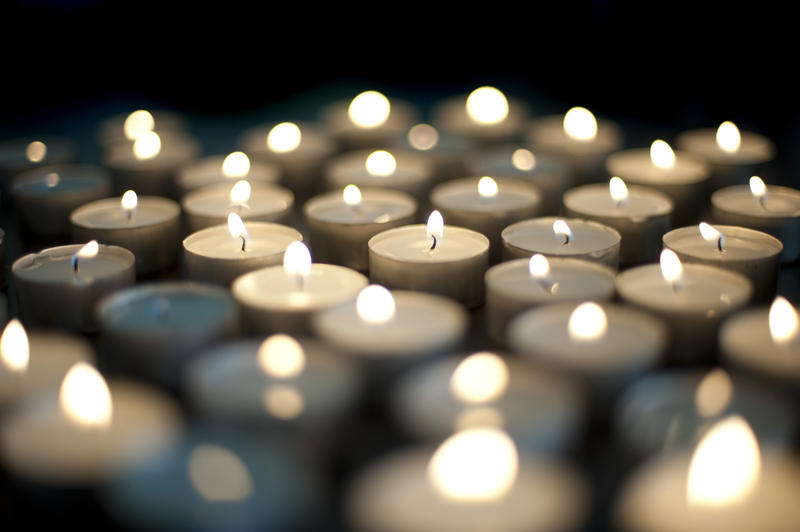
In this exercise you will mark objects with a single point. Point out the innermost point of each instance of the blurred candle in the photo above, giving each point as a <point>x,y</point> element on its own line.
<point>224,169</point>
<point>485,115</point>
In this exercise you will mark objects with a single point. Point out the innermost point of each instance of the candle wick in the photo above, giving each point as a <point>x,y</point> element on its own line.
<point>566,240</point>
<point>433,246</point>
<point>761,201</point>
<point>128,216</point>
<point>719,245</point>
<point>244,243</point>
<point>75,264</point>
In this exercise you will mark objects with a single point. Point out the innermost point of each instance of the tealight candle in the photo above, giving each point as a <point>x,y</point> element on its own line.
<point>562,237</point>
<point>88,431</point>
<point>774,210</point>
<point>19,155</point>
<point>59,287</point>
<point>606,345</point>
<point>431,258</point>
<point>578,138</point>
<point>224,169</point>
<point>126,128</point>
<point>340,223</point>
<point>751,253</point>
<point>369,120</point>
<point>692,299</point>
<point>148,226</point>
<point>151,330</point>
<point>518,285</point>
<point>405,171</point>
<point>727,483</point>
<point>639,214</point>
<point>476,480</point>
<point>542,411</point>
<point>45,197</point>
<point>283,298</point>
<point>486,205</point>
<point>681,176</point>
<point>210,205</point>
<point>446,152</point>
<point>486,115</point>
<point>221,253</point>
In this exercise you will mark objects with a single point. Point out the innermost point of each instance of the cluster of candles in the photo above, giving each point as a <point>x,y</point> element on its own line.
<point>589,267</point>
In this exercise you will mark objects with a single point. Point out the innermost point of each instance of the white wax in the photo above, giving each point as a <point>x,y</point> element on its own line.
<point>547,135</point>
<point>54,267</point>
<point>450,115</point>
<point>462,195</point>
<point>422,324</point>
<point>266,202</point>
<point>596,200</point>
<point>108,213</point>
<point>781,202</point>
<point>377,206</point>
<point>754,148</point>
<point>537,236</point>
<point>635,166</point>
<point>412,173</point>
<point>408,244</point>
<point>208,171</point>
<point>741,244</point>
<point>266,240</point>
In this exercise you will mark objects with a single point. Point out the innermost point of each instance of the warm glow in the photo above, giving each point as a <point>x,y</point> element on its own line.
<point>482,416</point>
<point>562,230</point>
<point>36,151</point>
<point>240,192</point>
<point>147,145</point>
<point>726,465</point>
<point>52,180</point>
<point>423,137</point>
<point>281,356</point>
<point>487,187</point>
<point>14,347</point>
<point>523,160</point>
<point>137,123</point>
<point>728,137</point>
<point>84,396</point>
<point>487,105</point>
<point>662,155</point>
<point>237,229</point>
<point>434,230</point>
<point>588,322</point>
<point>89,250</point>
<point>710,234</point>
<point>369,109</point>
<point>283,401</point>
<point>351,195</point>
<point>375,304</point>
<point>757,187</point>
<point>618,190</point>
<point>236,164</point>
<point>783,321</point>
<point>479,378</point>
<point>671,267</point>
<point>297,260</point>
<point>129,202</point>
<point>580,124</point>
<point>218,475</point>
<point>381,163</point>
<point>284,137</point>
<point>474,465</point>
<point>539,266</point>
<point>714,393</point>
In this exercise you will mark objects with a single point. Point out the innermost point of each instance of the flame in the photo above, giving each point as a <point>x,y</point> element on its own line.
<point>281,356</point>
<point>237,229</point>
<point>539,266</point>
<point>560,228</point>
<point>84,396</point>
<point>52,180</point>
<point>474,465</point>
<point>423,137</point>
<point>381,163</point>
<point>487,187</point>
<point>375,304</point>
<point>783,321</point>
<point>351,195</point>
<point>671,267</point>
<point>618,190</point>
<point>138,123</point>
<point>587,323</point>
<point>147,145</point>
<point>283,401</point>
<point>726,465</point>
<point>369,109</point>
<point>757,187</point>
<point>236,164</point>
<point>297,260</point>
<point>487,105</point>
<point>14,347</point>
<point>580,124</point>
<point>711,234</point>
<point>714,393</point>
<point>240,192</point>
<point>129,202</point>
<point>89,250</point>
<point>479,378</point>
<point>728,137</point>
<point>218,475</point>
<point>434,230</point>
<point>36,151</point>
<point>284,137</point>
<point>661,155</point>
<point>523,160</point>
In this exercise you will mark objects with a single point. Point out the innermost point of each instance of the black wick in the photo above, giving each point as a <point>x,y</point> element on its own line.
<point>719,245</point>
<point>566,239</point>
<point>75,263</point>
<point>434,242</point>
<point>244,243</point>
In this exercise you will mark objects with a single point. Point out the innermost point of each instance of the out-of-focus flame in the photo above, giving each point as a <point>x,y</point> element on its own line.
<point>236,164</point>
<point>423,137</point>
<point>380,163</point>
<point>375,304</point>
<point>14,347</point>
<point>351,195</point>
<point>523,160</point>
<point>36,151</point>
<point>671,267</point>
<point>580,124</point>
<point>283,401</point>
<point>661,155</point>
<point>129,202</point>
<point>562,229</point>
<point>479,378</point>
<point>137,123</point>
<point>728,137</point>
<point>281,356</point>
<point>539,266</point>
<point>487,105</point>
<point>85,398</point>
<point>240,192</point>
<point>714,393</point>
<point>284,137</point>
<point>587,323</point>
<point>147,145</point>
<point>297,261</point>
<point>369,109</point>
<point>487,187</point>
<point>783,321</point>
<point>218,475</point>
<point>618,190</point>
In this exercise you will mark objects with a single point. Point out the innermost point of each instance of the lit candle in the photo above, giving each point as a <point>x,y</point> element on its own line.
<point>369,120</point>
<point>447,261</point>
<point>224,169</point>
<point>405,171</point>
<point>485,115</point>
<point>19,155</point>
<point>447,152</point>
<point>126,128</point>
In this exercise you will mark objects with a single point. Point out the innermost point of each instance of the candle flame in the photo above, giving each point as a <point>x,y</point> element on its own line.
<point>84,396</point>
<point>369,109</point>
<point>375,304</point>
<point>434,230</point>
<point>351,195</point>
<point>284,137</point>
<point>240,192</point>
<point>487,187</point>
<point>474,465</point>
<point>36,151</point>
<point>423,137</point>
<point>89,250</point>
<point>281,356</point>
<point>671,267</point>
<point>711,234</point>
<point>728,137</point>
<point>236,164</point>
<point>539,266</point>
<point>52,180</point>
<point>661,155</point>
<point>283,401</point>
<point>757,187</point>
<point>147,145</point>
<point>714,393</point>
<point>218,475</point>
<point>138,123</point>
<point>380,163</point>
<point>580,124</point>
<point>14,347</point>
<point>587,323</point>
<point>725,466</point>
<point>237,229</point>
<point>783,321</point>
<point>129,202</point>
<point>560,228</point>
<point>523,160</point>
<point>487,105</point>
<point>479,378</point>
<point>618,190</point>
<point>297,260</point>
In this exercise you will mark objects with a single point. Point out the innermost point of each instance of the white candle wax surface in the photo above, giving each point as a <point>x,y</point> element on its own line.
<point>462,195</point>
<point>635,166</point>
<point>547,134</point>
<point>595,200</point>
<point>55,265</point>
<point>741,244</point>
<point>377,206</point>
<point>61,180</point>
<point>754,148</point>
<point>780,202</point>
<point>108,213</point>
<point>537,236</point>
<point>408,244</point>
<point>412,174</point>
<point>266,239</point>
<point>166,123</point>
